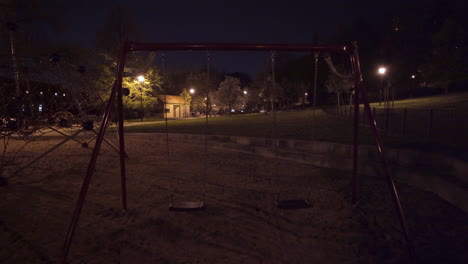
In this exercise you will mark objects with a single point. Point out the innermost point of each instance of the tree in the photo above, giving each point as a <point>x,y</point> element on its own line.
<point>338,85</point>
<point>25,22</point>
<point>186,97</point>
<point>270,90</point>
<point>448,63</point>
<point>119,26</point>
<point>143,94</point>
<point>229,93</point>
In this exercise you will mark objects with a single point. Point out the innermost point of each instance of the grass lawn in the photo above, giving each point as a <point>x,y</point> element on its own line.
<point>307,124</point>
<point>317,125</point>
<point>149,119</point>
<point>453,101</point>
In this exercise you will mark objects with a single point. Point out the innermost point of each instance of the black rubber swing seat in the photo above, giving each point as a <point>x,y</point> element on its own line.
<point>187,206</point>
<point>293,204</point>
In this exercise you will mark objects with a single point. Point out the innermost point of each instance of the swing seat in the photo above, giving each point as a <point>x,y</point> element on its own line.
<point>293,204</point>
<point>187,206</point>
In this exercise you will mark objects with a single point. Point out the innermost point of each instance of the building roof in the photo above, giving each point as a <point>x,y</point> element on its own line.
<point>171,99</point>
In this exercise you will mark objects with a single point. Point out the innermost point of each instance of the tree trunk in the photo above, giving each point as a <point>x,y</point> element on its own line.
<point>272,105</point>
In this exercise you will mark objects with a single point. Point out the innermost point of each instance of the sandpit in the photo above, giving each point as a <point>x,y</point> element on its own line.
<point>240,223</point>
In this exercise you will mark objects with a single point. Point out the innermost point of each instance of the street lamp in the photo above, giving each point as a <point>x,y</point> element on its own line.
<point>245,92</point>
<point>382,71</point>
<point>141,79</point>
<point>192,91</point>
<point>316,56</point>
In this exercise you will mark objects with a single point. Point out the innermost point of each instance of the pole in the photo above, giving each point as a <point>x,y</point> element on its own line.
<point>141,103</point>
<point>316,54</point>
<point>96,149</point>
<point>12,27</point>
<point>390,182</point>
<point>380,90</point>
<point>355,131</point>
<point>123,154</point>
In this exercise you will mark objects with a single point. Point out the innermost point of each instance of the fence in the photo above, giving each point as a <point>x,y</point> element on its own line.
<point>441,124</point>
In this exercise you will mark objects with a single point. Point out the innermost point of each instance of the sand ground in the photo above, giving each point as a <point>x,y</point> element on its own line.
<point>239,225</point>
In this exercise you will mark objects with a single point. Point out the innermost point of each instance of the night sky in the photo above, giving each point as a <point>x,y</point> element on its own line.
<point>221,21</point>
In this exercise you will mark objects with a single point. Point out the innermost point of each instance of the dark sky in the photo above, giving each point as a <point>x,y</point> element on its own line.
<point>221,21</point>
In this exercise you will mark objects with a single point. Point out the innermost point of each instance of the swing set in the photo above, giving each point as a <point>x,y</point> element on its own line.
<point>350,50</point>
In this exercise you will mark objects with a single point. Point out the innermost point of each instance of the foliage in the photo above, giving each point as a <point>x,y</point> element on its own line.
<point>119,26</point>
<point>229,93</point>
<point>338,85</point>
<point>143,94</point>
<point>270,91</point>
<point>448,63</point>
<point>186,97</point>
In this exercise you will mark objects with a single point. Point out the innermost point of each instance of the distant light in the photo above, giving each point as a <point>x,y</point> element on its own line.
<point>306,94</point>
<point>56,94</point>
<point>192,91</point>
<point>40,108</point>
<point>141,78</point>
<point>413,76</point>
<point>41,93</point>
<point>63,94</point>
<point>382,70</point>
<point>27,92</point>
<point>396,29</point>
<point>214,105</point>
<point>232,110</point>
<point>242,111</point>
<point>245,92</point>
<point>206,98</point>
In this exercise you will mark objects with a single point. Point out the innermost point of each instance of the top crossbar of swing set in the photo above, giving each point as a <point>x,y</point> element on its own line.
<point>139,46</point>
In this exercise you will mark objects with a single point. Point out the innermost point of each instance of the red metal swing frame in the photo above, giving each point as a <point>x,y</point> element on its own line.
<point>116,93</point>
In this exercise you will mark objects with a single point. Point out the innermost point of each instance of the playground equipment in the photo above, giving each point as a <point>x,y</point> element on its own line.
<point>350,50</point>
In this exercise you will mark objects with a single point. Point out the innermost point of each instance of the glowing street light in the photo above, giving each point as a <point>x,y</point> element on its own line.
<point>413,76</point>
<point>141,78</point>
<point>192,91</point>
<point>381,71</point>
<point>306,94</point>
<point>245,92</point>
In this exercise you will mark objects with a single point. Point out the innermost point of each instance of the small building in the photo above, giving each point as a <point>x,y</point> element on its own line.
<point>174,105</point>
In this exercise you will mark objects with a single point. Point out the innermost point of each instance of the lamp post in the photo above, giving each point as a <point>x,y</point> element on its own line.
<point>141,79</point>
<point>316,56</point>
<point>382,71</point>
<point>192,92</point>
